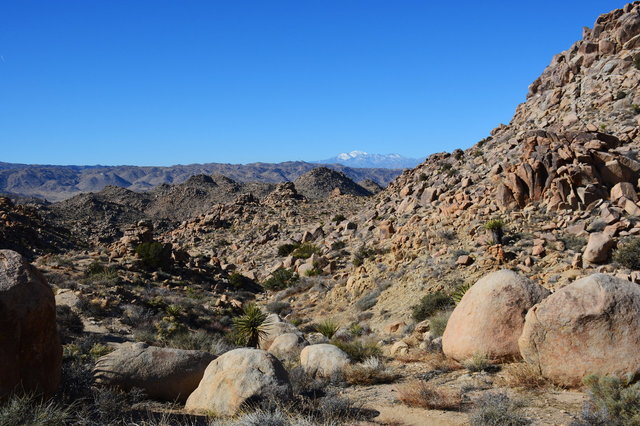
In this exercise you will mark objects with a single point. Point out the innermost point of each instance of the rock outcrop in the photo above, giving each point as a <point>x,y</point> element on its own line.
<point>163,373</point>
<point>30,351</point>
<point>489,318</point>
<point>239,377</point>
<point>591,326</point>
<point>323,360</point>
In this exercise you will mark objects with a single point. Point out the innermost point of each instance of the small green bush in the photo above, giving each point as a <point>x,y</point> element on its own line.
<point>368,301</point>
<point>438,323</point>
<point>154,255</point>
<point>338,245</point>
<point>287,249</point>
<point>635,108</point>
<point>362,254</point>
<point>279,308</point>
<point>611,402</point>
<point>628,255</point>
<point>496,409</point>
<point>239,281</point>
<point>29,410</point>
<point>327,328</point>
<point>478,362</point>
<point>431,304</point>
<point>621,95</point>
<point>358,350</point>
<point>496,227</point>
<point>305,251</point>
<point>339,218</point>
<point>282,278</point>
<point>459,292</point>
<point>636,62</point>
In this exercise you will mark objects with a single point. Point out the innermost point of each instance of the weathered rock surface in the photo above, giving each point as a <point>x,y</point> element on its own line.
<point>164,373</point>
<point>323,360</point>
<point>30,351</point>
<point>591,326</point>
<point>276,327</point>
<point>238,377</point>
<point>489,318</point>
<point>287,347</point>
<point>598,248</point>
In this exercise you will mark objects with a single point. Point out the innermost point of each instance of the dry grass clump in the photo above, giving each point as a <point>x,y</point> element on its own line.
<point>435,360</point>
<point>425,395</point>
<point>523,375</point>
<point>478,362</point>
<point>369,372</point>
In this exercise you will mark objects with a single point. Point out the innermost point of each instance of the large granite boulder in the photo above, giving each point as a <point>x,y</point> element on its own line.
<point>276,327</point>
<point>489,318</point>
<point>591,326</point>
<point>164,373</point>
<point>30,350</point>
<point>323,360</point>
<point>287,347</point>
<point>239,377</point>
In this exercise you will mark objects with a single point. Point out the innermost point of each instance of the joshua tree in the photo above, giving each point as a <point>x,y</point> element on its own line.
<point>251,325</point>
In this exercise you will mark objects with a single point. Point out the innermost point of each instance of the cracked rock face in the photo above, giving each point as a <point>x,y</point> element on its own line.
<point>591,326</point>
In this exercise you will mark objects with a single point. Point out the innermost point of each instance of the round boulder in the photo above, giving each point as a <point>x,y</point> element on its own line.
<point>239,377</point>
<point>489,318</point>
<point>287,347</point>
<point>323,360</point>
<point>30,351</point>
<point>276,327</point>
<point>164,373</point>
<point>591,326</point>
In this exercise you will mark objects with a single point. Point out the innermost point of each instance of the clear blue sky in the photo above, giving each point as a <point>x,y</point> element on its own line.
<point>174,82</point>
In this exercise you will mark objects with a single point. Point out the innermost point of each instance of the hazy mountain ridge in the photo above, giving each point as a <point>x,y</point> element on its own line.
<point>56,183</point>
<point>365,159</point>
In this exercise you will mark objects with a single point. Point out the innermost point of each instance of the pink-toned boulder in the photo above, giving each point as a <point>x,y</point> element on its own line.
<point>30,351</point>
<point>598,247</point>
<point>624,189</point>
<point>591,326</point>
<point>489,318</point>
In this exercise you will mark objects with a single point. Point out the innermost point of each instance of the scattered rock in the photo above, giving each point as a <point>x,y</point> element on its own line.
<point>323,360</point>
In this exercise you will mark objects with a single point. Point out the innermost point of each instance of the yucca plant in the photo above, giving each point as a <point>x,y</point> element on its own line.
<point>460,292</point>
<point>251,325</point>
<point>327,328</point>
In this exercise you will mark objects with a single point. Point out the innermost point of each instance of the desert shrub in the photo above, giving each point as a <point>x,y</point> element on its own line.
<point>438,323</point>
<point>338,245</point>
<point>200,340</point>
<point>574,242</point>
<point>239,281</point>
<point>636,62</point>
<point>478,362</point>
<point>97,268</point>
<point>496,409</point>
<point>431,304</point>
<point>69,323</point>
<point>305,251</point>
<point>94,307</point>
<point>635,108</point>
<point>359,349</point>
<point>425,395</point>
<point>371,371</point>
<point>459,292</point>
<point>251,325</point>
<point>628,255</point>
<point>368,301</point>
<point>339,218</point>
<point>611,402</point>
<point>620,95</point>
<point>280,308</point>
<point>362,254</point>
<point>314,272</point>
<point>496,227</point>
<point>282,278</point>
<point>287,249</point>
<point>523,375</point>
<point>29,410</point>
<point>327,328</point>
<point>154,255</point>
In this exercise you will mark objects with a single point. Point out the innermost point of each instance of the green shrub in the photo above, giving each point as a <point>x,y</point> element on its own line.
<point>305,251</point>
<point>282,278</point>
<point>251,325</point>
<point>358,350</point>
<point>611,401</point>
<point>628,255</point>
<point>496,409</point>
<point>287,249</point>
<point>279,308</point>
<point>69,323</point>
<point>636,62</point>
<point>369,372</point>
<point>459,292</point>
<point>362,254</point>
<point>368,301</point>
<point>621,95</point>
<point>338,245</point>
<point>97,268</point>
<point>339,218</point>
<point>438,323</point>
<point>239,281</point>
<point>478,362</point>
<point>431,304</point>
<point>327,328</point>
<point>635,108</point>
<point>496,227</point>
<point>154,255</point>
<point>29,410</point>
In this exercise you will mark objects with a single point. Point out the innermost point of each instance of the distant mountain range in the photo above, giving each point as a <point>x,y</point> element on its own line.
<point>56,183</point>
<point>365,159</point>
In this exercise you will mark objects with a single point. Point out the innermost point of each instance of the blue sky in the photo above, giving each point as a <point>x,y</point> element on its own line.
<point>175,82</point>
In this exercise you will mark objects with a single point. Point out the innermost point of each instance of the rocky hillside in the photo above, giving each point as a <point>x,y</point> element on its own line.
<point>56,183</point>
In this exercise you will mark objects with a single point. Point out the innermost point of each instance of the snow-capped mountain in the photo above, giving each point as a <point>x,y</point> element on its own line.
<point>364,159</point>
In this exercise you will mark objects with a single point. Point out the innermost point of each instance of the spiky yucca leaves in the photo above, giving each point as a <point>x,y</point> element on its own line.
<point>459,292</point>
<point>251,325</point>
